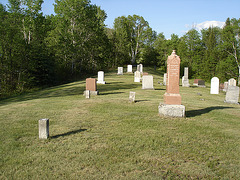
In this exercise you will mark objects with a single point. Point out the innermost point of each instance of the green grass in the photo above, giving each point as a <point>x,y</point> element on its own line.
<point>106,137</point>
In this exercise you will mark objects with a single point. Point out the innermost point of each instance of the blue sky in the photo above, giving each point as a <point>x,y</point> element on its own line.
<point>167,16</point>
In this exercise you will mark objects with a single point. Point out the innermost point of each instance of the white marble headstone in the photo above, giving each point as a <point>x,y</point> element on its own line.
<point>232,82</point>
<point>120,71</point>
<point>101,77</point>
<point>129,68</point>
<point>214,86</point>
<point>137,76</point>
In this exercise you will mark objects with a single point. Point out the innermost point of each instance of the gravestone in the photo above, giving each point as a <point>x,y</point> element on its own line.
<point>138,68</point>
<point>221,86</point>
<point>232,95</point>
<point>87,94</point>
<point>185,80</point>
<point>147,82</point>
<point>137,76</point>
<point>91,85</point>
<point>165,79</point>
<point>43,128</point>
<point>101,77</point>
<point>129,68</point>
<point>199,83</point>
<point>225,86</point>
<point>145,73</point>
<point>172,99</point>
<point>214,86</point>
<point>141,68</point>
<point>120,71</point>
<point>132,97</point>
<point>232,82</point>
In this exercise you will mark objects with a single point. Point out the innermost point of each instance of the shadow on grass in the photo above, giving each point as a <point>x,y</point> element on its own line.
<point>198,112</point>
<point>68,133</point>
<point>103,94</point>
<point>137,101</point>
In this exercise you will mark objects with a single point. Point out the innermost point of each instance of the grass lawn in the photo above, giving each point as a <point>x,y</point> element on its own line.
<point>106,137</point>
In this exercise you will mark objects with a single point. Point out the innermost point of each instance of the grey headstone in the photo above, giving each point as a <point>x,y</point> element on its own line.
<point>225,86</point>
<point>171,110</point>
<point>232,95</point>
<point>147,82</point>
<point>132,97</point>
<point>43,128</point>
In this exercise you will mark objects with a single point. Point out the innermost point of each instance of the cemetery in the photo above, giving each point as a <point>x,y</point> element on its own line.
<point>107,137</point>
<point>91,90</point>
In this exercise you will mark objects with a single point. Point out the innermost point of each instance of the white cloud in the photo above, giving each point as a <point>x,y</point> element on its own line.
<point>207,24</point>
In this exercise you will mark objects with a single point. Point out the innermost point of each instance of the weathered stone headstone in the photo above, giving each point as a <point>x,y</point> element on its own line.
<point>232,95</point>
<point>138,68</point>
<point>137,76</point>
<point>87,94</point>
<point>101,77</point>
<point>147,82</point>
<point>199,83</point>
<point>165,79</point>
<point>132,97</point>
<point>120,71</point>
<point>172,99</point>
<point>43,128</point>
<point>221,87</point>
<point>141,68</point>
<point>185,80</point>
<point>91,85</point>
<point>214,86</point>
<point>129,68</point>
<point>225,86</point>
<point>232,82</point>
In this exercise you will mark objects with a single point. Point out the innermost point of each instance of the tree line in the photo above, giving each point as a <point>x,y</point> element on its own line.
<point>39,51</point>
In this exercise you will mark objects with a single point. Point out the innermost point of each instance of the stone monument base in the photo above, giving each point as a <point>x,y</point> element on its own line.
<point>92,93</point>
<point>171,110</point>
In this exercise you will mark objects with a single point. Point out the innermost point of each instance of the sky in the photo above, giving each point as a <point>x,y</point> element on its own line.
<point>166,16</point>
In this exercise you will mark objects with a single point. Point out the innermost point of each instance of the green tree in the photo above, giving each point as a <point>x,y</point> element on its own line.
<point>160,46</point>
<point>230,44</point>
<point>78,39</point>
<point>131,34</point>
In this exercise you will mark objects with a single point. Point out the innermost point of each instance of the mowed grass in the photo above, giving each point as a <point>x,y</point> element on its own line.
<point>106,137</point>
